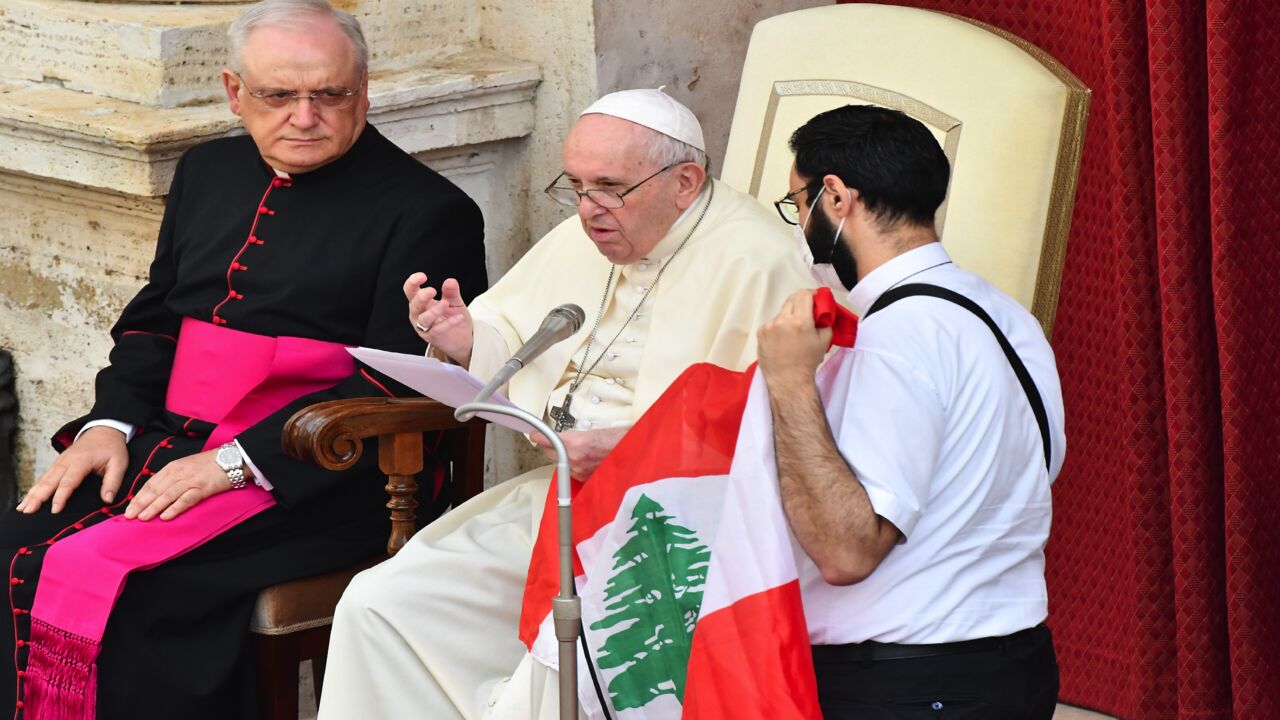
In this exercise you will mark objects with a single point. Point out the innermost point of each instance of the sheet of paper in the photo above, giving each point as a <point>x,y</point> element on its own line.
<point>440,381</point>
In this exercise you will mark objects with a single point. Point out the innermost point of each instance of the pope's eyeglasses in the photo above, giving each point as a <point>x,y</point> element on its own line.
<point>604,198</point>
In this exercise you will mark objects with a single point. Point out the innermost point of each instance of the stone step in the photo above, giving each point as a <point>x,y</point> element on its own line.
<point>469,97</point>
<point>169,55</point>
<point>162,55</point>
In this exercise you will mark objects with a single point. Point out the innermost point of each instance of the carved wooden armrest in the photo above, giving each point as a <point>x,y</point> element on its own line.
<point>331,435</point>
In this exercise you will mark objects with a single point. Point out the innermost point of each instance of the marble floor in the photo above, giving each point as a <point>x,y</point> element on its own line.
<point>1066,712</point>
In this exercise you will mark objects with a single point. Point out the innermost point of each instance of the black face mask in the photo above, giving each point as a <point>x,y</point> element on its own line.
<point>826,248</point>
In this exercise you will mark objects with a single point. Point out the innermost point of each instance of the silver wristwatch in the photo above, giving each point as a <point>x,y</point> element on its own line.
<point>232,463</point>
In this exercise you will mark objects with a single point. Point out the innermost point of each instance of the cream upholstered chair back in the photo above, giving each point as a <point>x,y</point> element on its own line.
<point>1009,117</point>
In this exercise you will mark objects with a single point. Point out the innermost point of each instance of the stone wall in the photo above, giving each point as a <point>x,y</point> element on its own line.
<point>695,50</point>
<point>70,258</point>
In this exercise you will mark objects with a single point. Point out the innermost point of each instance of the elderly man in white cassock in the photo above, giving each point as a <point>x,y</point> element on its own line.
<point>673,269</point>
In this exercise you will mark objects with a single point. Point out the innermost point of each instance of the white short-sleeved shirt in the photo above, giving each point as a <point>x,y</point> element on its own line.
<point>928,413</point>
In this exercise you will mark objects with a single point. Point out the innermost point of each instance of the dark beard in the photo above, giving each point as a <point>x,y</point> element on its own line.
<point>822,234</point>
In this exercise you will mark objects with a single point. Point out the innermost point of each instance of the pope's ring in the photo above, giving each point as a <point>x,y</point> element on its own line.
<point>422,329</point>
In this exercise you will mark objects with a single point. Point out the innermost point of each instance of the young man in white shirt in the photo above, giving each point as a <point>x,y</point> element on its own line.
<point>915,467</point>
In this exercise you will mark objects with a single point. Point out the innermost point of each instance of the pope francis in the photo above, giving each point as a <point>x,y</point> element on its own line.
<point>672,268</point>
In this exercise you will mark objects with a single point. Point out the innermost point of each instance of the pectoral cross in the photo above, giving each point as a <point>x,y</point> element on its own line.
<point>564,420</point>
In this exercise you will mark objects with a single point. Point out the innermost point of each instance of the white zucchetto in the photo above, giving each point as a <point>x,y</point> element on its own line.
<point>653,109</point>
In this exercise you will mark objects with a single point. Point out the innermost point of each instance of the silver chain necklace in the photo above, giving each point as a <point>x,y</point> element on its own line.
<point>560,414</point>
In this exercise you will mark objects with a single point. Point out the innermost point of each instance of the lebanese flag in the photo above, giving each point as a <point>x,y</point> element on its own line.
<point>685,562</point>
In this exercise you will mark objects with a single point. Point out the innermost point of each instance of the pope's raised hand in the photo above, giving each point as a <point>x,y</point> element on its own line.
<point>443,322</point>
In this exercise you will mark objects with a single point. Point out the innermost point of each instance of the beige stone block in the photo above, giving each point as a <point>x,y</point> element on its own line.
<point>407,33</point>
<point>170,55</point>
<point>101,142</point>
<point>70,258</point>
<point>161,55</point>
<point>472,97</point>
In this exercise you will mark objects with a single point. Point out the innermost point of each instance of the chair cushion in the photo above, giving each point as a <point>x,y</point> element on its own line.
<point>303,604</point>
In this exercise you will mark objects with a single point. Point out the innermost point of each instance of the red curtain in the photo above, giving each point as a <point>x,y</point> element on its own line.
<point>1164,561</point>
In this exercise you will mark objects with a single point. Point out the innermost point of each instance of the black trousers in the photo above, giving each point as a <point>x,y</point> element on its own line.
<point>177,645</point>
<point>1016,679</point>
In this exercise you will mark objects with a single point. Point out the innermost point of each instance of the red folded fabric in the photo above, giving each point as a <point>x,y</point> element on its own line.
<point>827,313</point>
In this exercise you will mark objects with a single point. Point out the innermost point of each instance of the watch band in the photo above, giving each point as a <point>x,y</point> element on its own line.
<point>232,464</point>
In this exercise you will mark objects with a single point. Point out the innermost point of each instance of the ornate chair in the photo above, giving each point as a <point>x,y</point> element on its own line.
<point>291,620</point>
<point>1009,117</point>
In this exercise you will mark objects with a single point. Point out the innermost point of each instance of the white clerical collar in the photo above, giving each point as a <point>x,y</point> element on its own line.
<point>280,173</point>
<point>893,272</point>
<point>680,228</point>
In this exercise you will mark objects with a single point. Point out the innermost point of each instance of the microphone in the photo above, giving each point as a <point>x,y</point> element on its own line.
<point>560,323</point>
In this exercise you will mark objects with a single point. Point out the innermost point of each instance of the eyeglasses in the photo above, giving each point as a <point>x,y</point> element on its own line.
<point>788,208</point>
<point>334,98</point>
<point>604,198</point>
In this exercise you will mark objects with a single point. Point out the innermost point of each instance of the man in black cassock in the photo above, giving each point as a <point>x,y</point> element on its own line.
<point>304,228</point>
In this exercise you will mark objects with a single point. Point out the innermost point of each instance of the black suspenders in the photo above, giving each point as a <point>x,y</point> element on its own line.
<point>1028,385</point>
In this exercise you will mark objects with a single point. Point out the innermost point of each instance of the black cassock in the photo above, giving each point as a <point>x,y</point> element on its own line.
<point>320,255</point>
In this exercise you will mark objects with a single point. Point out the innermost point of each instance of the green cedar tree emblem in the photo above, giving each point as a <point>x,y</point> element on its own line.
<point>656,593</point>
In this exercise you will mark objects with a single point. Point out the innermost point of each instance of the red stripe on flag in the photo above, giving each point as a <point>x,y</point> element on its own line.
<point>690,431</point>
<point>752,661</point>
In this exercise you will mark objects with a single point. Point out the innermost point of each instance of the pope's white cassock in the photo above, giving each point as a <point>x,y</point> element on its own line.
<point>432,632</point>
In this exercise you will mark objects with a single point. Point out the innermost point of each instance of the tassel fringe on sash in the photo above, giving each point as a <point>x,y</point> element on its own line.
<point>61,678</point>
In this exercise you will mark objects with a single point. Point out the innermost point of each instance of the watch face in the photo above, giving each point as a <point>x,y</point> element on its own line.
<point>228,456</point>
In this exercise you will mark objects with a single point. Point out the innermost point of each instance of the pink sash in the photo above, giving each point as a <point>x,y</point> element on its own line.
<point>231,378</point>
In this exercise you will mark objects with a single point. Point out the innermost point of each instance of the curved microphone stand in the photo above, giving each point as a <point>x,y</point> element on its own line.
<point>566,608</point>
